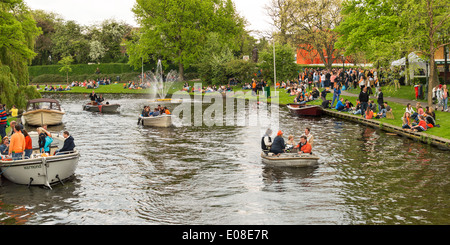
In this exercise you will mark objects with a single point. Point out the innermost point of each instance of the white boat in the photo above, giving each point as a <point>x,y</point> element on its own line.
<point>41,170</point>
<point>43,111</point>
<point>158,121</point>
<point>290,159</point>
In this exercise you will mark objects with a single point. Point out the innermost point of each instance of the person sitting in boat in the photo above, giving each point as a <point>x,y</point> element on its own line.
<point>4,147</point>
<point>278,146</point>
<point>166,111</point>
<point>304,146</point>
<point>100,99</point>
<point>69,144</point>
<point>156,112</point>
<point>266,141</point>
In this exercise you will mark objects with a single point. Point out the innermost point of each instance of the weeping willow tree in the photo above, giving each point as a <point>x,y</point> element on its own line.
<point>18,32</point>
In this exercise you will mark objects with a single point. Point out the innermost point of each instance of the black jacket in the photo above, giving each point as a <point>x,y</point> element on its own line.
<point>69,144</point>
<point>278,144</point>
<point>363,97</point>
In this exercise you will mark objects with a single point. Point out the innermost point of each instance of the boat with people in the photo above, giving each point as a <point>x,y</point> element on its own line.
<point>43,111</point>
<point>103,108</point>
<point>290,159</point>
<point>41,169</point>
<point>305,110</point>
<point>163,120</point>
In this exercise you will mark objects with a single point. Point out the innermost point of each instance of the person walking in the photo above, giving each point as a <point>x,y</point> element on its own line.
<point>445,98</point>
<point>380,100</point>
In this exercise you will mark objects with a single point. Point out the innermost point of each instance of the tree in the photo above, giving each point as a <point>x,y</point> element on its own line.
<point>18,32</point>
<point>387,30</point>
<point>284,60</point>
<point>313,24</point>
<point>47,21</point>
<point>280,11</point>
<point>66,62</point>
<point>176,30</point>
<point>69,40</point>
<point>96,50</point>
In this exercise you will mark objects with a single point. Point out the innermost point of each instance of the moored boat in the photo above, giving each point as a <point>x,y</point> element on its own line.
<point>305,110</point>
<point>40,169</point>
<point>43,111</point>
<point>290,159</point>
<point>103,108</point>
<point>158,121</point>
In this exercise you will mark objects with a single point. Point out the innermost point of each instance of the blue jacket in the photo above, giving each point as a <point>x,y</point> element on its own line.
<point>339,105</point>
<point>278,144</point>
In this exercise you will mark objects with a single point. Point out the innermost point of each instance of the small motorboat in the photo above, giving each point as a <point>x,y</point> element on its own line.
<point>305,110</point>
<point>103,108</point>
<point>290,159</point>
<point>41,169</point>
<point>158,121</point>
<point>40,112</point>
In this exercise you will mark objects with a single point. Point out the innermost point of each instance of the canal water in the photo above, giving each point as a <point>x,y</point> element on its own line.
<point>128,174</point>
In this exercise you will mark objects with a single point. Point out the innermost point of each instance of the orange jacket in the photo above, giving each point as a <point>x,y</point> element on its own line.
<point>28,143</point>
<point>17,143</point>
<point>306,148</point>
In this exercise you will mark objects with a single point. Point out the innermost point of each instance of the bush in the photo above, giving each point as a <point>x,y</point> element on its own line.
<point>58,79</point>
<point>48,78</point>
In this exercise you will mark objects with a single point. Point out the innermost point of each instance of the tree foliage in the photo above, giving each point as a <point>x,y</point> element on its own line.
<point>177,30</point>
<point>18,32</point>
<point>284,61</point>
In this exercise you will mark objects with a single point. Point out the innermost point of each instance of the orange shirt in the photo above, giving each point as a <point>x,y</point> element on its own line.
<point>370,115</point>
<point>17,143</point>
<point>306,148</point>
<point>167,112</point>
<point>28,143</point>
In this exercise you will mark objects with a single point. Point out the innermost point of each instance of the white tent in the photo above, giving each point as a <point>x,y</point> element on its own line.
<point>415,62</point>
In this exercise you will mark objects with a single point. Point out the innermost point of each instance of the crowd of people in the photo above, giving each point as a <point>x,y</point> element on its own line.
<point>18,144</point>
<point>207,89</point>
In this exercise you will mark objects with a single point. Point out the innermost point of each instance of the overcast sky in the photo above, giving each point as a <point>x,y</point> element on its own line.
<point>88,12</point>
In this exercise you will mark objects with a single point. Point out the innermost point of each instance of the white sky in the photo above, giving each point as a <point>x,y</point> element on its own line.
<point>88,12</point>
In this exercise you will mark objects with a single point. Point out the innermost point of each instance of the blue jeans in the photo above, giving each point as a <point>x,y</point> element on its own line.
<point>335,97</point>
<point>17,156</point>
<point>28,153</point>
<point>445,101</point>
<point>364,106</point>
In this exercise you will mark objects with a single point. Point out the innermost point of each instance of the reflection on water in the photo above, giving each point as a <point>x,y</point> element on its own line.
<point>128,174</point>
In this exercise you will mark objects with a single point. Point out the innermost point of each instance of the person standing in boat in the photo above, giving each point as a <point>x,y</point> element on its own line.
<point>266,140</point>
<point>309,136</point>
<point>93,97</point>
<point>3,121</point>
<point>28,144</point>
<point>278,144</point>
<point>17,144</point>
<point>100,99</point>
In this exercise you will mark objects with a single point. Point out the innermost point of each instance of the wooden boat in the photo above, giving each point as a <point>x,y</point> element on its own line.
<point>104,108</point>
<point>290,159</point>
<point>158,121</point>
<point>41,170</point>
<point>43,111</point>
<point>305,110</point>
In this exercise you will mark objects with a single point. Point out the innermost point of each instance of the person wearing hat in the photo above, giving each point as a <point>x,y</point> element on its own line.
<point>278,144</point>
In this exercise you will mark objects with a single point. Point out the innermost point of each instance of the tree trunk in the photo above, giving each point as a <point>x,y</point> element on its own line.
<point>181,71</point>
<point>445,64</point>
<point>432,81</point>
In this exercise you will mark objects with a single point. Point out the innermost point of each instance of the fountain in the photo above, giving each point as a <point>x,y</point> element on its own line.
<point>160,83</point>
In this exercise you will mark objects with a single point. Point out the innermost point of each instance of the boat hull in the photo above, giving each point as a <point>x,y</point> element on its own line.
<point>305,110</point>
<point>290,160</point>
<point>102,108</point>
<point>158,121</point>
<point>42,171</point>
<point>42,117</point>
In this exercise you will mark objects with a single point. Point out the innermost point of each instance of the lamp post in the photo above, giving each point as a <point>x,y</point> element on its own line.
<point>274,68</point>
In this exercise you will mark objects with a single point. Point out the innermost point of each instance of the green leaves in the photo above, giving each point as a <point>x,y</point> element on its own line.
<point>177,30</point>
